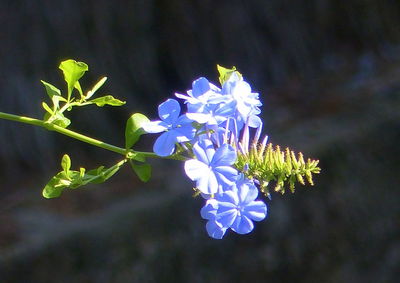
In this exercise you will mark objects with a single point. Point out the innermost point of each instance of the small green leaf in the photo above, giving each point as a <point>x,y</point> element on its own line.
<point>57,119</point>
<point>107,100</point>
<point>225,73</point>
<point>51,89</point>
<point>73,71</point>
<point>98,85</point>
<point>78,87</point>
<point>143,171</point>
<point>47,108</point>
<point>54,187</point>
<point>69,179</point>
<point>66,164</point>
<point>133,129</point>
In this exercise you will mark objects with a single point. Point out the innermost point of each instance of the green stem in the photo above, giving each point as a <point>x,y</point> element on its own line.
<point>83,138</point>
<point>72,134</point>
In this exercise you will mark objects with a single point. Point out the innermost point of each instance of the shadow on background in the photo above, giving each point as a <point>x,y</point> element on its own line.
<point>328,74</point>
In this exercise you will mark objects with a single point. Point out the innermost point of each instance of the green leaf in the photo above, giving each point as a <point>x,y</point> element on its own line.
<point>58,119</point>
<point>107,100</point>
<point>98,85</point>
<point>53,188</point>
<point>76,179</point>
<point>143,171</point>
<point>73,71</point>
<point>47,108</point>
<point>133,129</point>
<point>225,73</point>
<point>66,164</point>
<point>51,89</point>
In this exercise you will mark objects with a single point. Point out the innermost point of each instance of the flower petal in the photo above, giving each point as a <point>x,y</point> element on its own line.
<point>199,117</point>
<point>208,183</point>
<point>204,150</point>
<point>169,111</point>
<point>224,156</point>
<point>256,210</point>
<point>248,192</point>
<point>242,225</point>
<point>196,169</point>
<point>200,86</point>
<point>226,175</point>
<point>214,230</point>
<point>226,214</point>
<point>165,144</point>
<point>155,127</point>
<point>209,210</point>
<point>228,197</point>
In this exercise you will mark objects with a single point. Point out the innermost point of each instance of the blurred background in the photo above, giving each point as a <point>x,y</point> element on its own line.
<point>328,74</point>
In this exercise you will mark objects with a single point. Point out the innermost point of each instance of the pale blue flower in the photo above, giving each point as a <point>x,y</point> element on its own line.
<point>176,128</point>
<point>247,102</point>
<point>235,208</point>
<point>213,114</point>
<point>200,95</point>
<point>212,170</point>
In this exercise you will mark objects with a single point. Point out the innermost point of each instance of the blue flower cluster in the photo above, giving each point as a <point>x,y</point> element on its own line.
<point>213,131</point>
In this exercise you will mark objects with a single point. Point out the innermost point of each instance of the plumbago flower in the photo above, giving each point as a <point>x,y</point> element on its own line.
<point>212,169</point>
<point>212,137</point>
<point>229,168</point>
<point>175,128</point>
<point>235,208</point>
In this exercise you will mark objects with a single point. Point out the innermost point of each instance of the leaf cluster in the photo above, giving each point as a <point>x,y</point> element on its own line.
<point>72,179</point>
<point>73,71</point>
<point>266,164</point>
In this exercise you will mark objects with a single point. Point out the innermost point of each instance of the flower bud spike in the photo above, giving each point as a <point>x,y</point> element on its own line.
<point>263,144</point>
<point>258,134</point>
<point>245,137</point>
<point>225,139</point>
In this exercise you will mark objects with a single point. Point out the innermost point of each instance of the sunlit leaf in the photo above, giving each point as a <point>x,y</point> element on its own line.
<point>98,85</point>
<point>107,100</point>
<point>70,179</point>
<point>66,163</point>
<point>225,73</point>
<point>73,71</point>
<point>133,129</point>
<point>51,90</point>
<point>47,108</point>
<point>58,119</point>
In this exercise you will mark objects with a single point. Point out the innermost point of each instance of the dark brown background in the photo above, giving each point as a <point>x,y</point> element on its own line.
<point>329,77</point>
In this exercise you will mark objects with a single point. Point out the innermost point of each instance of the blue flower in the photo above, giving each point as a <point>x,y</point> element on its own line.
<point>247,102</point>
<point>213,114</point>
<point>200,94</point>
<point>212,169</point>
<point>176,128</point>
<point>235,209</point>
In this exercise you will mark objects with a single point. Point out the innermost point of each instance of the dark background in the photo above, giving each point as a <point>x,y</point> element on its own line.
<point>328,74</point>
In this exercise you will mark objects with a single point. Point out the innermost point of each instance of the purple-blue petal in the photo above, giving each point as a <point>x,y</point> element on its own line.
<point>196,169</point>
<point>226,214</point>
<point>200,86</point>
<point>248,192</point>
<point>224,156</point>
<point>242,225</point>
<point>256,210</point>
<point>226,174</point>
<point>214,230</point>
<point>155,127</point>
<point>169,111</point>
<point>209,210</point>
<point>165,144</point>
<point>208,183</point>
